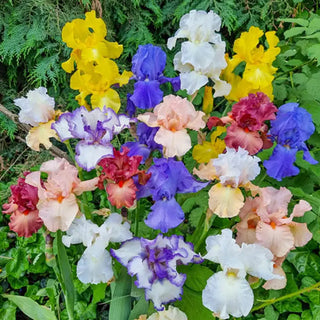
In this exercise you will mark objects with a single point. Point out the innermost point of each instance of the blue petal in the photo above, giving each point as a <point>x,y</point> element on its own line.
<point>149,62</point>
<point>165,215</point>
<point>280,164</point>
<point>147,94</point>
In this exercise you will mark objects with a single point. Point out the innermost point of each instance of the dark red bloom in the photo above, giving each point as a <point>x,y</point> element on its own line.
<point>22,206</point>
<point>118,171</point>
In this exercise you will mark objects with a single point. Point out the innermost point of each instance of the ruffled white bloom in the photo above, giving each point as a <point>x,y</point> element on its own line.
<point>228,292</point>
<point>236,167</point>
<point>37,107</point>
<point>95,265</point>
<point>202,57</point>
<point>172,313</point>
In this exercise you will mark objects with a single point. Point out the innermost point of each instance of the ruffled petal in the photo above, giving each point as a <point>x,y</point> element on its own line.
<point>58,215</point>
<point>163,292</point>
<point>225,294</point>
<point>175,143</point>
<point>225,201</point>
<point>88,155</point>
<point>122,194</point>
<point>25,223</point>
<point>41,135</point>
<point>278,239</point>
<point>95,265</point>
<point>165,214</point>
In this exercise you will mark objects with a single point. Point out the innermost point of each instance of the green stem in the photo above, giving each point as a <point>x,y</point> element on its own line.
<point>70,150</point>
<point>65,276</point>
<point>293,69</point>
<point>136,220</point>
<point>206,227</point>
<point>287,296</point>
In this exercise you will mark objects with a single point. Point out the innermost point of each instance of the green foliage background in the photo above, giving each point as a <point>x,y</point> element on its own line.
<point>31,53</point>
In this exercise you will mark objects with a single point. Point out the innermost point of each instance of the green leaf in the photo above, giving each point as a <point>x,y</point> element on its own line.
<point>314,25</point>
<point>293,317</point>
<point>294,32</point>
<point>270,313</point>
<point>8,310</point>
<point>19,264</point>
<point>120,305</point>
<point>314,52</point>
<point>312,86</point>
<point>31,308</point>
<point>140,308</point>
<point>306,262</point>
<point>99,292</point>
<point>197,276</point>
<point>66,275</point>
<point>191,304</point>
<point>300,21</point>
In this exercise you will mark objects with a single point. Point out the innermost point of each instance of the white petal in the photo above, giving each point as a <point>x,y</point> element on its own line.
<point>81,231</point>
<point>258,261</point>
<point>113,230</point>
<point>88,155</point>
<point>192,81</point>
<point>95,265</point>
<point>127,251</point>
<point>37,107</point>
<point>199,55</point>
<point>172,313</point>
<point>61,126</point>
<point>223,249</point>
<point>226,294</point>
<point>163,292</point>
<point>139,267</point>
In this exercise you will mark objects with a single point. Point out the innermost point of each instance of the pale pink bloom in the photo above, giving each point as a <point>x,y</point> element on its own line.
<point>265,220</point>
<point>173,116</point>
<point>57,196</point>
<point>234,169</point>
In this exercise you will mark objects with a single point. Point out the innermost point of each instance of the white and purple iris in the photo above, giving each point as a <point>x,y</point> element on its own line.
<point>95,128</point>
<point>168,177</point>
<point>154,263</point>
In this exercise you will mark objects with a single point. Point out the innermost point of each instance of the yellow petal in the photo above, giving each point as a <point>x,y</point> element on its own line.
<point>207,103</point>
<point>41,135</point>
<point>109,98</point>
<point>225,201</point>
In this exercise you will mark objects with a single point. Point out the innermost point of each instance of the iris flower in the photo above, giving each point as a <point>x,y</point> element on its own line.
<point>168,177</point>
<point>57,195</point>
<point>154,264</point>
<point>95,265</point>
<point>265,220</point>
<point>95,128</point>
<point>258,73</point>
<point>291,128</point>
<point>147,66</point>
<point>234,169</point>
<point>173,116</point>
<point>202,56</point>
<point>22,207</point>
<point>228,292</point>
<point>37,110</point>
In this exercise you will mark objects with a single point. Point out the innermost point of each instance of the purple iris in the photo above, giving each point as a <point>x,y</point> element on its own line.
<point>291,128</point>
<point>146,143</point>
<point>95,128</point>
<point>154,263</point>
<point>168,177</point>
<point>147,66</point>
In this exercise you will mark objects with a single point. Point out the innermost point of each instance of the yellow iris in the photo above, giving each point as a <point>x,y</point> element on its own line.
<point>258,73</point>
<point>90,58</point>
<point>202,153</point>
